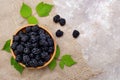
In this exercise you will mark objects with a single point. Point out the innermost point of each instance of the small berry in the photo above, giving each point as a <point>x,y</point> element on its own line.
<point>26,50</point>
<point>31,55</point>
<point>41,31</point>
<point>56,18</point>
<point>18,58</point>
<point>14,45</point>
<point>20,48</point>
<point>59,33</point>
<point>24,38</point>
<point>16,52</point>
<point>16,38</point>
<point>36,51</point>
<point>75,33</point>
<point>34,63</point>
<point>44,54</point>
<point>51,49</point>
<point>40,63</point>
<point>28,44</point>
<point>26,58</point>
<point>35,28</point>
<point>62,22</point>
<point>32,33</point>
<point>47,58</point>
<point>50,42</point>
<point>37,57</point>
<point>28,29</point>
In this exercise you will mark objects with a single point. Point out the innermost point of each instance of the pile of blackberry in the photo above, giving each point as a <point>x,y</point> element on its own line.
<point>33,46</point>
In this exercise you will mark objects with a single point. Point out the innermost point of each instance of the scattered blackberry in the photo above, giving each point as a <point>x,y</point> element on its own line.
<point>56,18</point>
<point>62,22</point>
<point>75,33</point>
<point>20,48</point>
<point>59,33</point>
<point>16,38</point>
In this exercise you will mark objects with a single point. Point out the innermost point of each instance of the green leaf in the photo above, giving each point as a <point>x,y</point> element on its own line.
<point>43,9</point>
<point>61,64</point>
<point>52,65</point>
<point>32,20</point>
<point>7,46</point>
<point>25,11</point>
<point>57,52</point>
<point>16,65</point>
<point>66,60</point>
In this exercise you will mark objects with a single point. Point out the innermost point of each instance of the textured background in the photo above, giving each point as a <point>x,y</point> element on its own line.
<point>97,48</point>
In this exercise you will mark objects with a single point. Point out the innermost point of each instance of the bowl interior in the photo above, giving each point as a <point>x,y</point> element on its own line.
<point>53,54</point>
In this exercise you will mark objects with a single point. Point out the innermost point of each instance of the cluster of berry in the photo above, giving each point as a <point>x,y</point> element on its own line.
<point>62,22</point>
<point>33,46</point>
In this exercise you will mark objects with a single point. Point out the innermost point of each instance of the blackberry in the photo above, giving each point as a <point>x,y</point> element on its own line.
<point>44,48</point>
<point>37,57</point>
<point>16,38</point>
<point>16,52</point>
<point>41,31</point>
<point>26,58</point>
<point>26,50</point>
<point>28,44</point>
<point>18,58</point>
<point>35,28</point>
<point>56,18</point>
<point>40,63</point>
<point>33,63</point>
<point>62,22</point>
<point>43,36</point>
<point>43,43</point>
<point>32,33</point>
<point>59,33</point>
<point>51,49</point>
<point>50,42</point>
<point>75,33</point>
<point>14,45</point>
<point>35,45</point>
<point>44,54</point>
<point>24,38</point>
<point>20,48</point>
<point>36,51</point>
<point>47,58</point>
<point>31,55</point>
<point>28,29</point>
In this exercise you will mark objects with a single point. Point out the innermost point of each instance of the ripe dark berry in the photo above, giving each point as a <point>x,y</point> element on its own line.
<point>31,55</point>
<point>44,54</point>
<point>36,51</point>
<point>37,57</point>
<point>50,42</point>
<point>28,44</point>
<point>26,50</point>
<point>18,58</point>
<point>62,22</point>
<point>75,33</point>
<point>24,38</point>
<point>51,49</point>
<point>16,52</point>
<point>40,63</point>
<point>32,33</point>
<point>47,58</point>
<point>35,28</point>
<point>59,33</point>
<point>28,29</point>
<point>35,45</point>
<point>20,48</point>
<point>34,63</point>
<point>41,31</point>
<point>16,38</point>
<point>42,36</point>
<point>26,58</point>
<point>14,45</point>
<point>56,18</point>
<point>43,43</point>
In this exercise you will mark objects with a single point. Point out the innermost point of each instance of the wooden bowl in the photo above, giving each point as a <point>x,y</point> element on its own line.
<point>52,56</point>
